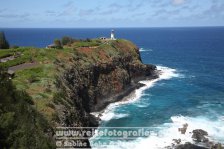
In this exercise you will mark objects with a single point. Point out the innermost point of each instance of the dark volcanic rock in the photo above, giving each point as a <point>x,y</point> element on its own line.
<point>177,141</point>
<point>189,146</point>
<point>199,135</point>
<point>93,87</point>
<point>183,129</point>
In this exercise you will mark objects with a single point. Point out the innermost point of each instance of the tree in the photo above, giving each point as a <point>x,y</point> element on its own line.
<point>66,40</point>
<point>3,42</point>
<point>57,43</point>
<point>88,40</point>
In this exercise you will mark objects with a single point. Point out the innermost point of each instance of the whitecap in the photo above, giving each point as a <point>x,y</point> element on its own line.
<point>109,113</point>
<point>168,73</point>
<point>142,104</point>
<point>145,50</point>
<point>112,115</point>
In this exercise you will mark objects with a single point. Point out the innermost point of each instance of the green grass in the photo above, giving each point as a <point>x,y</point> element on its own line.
<point>5,53</point>
<point>15,62</point>
<point>87,44</point>
<point>38,82</point>
<point>9,52</point>
<point>25,56</point>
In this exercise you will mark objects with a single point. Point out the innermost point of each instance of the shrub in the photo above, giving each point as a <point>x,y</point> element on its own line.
<point>57,43</point>
<point>66,40</point>
<point>88,40</point>
<point>3,42</point>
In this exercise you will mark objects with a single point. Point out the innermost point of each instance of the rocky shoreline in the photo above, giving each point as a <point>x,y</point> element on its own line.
<point>200,140</point>
<point>123,96</point>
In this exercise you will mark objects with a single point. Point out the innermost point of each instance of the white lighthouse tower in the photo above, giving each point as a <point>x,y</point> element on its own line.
<point>112,37</point>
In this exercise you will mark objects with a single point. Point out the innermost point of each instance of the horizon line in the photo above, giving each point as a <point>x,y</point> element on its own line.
<point>108,27</point>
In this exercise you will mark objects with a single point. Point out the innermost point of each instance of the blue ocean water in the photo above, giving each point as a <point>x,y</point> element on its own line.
<point>192,61</point>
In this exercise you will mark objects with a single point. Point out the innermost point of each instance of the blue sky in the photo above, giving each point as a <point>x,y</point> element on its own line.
<point>111,13</point>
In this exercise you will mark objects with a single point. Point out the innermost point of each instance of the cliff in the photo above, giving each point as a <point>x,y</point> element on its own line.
<point>67,84</point>
<point>100,75</point>
<point>96,77</point>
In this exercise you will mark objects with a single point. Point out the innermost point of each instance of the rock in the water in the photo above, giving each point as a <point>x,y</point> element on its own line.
<point>199,135</point>
<point>177,141</point>
<point>189,146</point>
<point>183,129</point>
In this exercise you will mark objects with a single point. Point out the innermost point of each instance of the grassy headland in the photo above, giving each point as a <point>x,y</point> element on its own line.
<point>39,81</point>
<point>67,81</point>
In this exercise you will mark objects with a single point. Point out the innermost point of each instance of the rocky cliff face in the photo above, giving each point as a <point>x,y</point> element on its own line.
<point>99,84</point>
<point>96,77</point>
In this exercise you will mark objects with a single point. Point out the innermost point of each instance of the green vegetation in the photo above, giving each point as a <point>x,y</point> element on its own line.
<point>57,44</point>
<point>41,77</point>
<point>15,62</point>
<point>6,53</point>
<point>21,126</point>
<point>36,86</point>
<point>23,55</point>
<point>3,42</point>
<point>66,40</point>
<point>87,43</point>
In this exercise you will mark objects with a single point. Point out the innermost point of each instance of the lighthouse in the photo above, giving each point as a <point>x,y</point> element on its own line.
<point>112,35</point>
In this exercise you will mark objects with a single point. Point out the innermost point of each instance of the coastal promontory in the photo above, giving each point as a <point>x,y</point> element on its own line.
<point>64,83</point>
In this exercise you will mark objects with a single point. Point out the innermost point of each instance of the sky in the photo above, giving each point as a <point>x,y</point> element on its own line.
<point>110,13</point>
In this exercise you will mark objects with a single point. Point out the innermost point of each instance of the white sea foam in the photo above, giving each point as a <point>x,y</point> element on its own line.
<point>145,50</point>
<point>109,113</point>
<point>169,131</point>
<point>164,135</point>
<point>142,104</point>
<point>112,115</point>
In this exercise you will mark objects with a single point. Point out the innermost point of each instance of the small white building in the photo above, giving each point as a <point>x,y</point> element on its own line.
<point>112,36</point>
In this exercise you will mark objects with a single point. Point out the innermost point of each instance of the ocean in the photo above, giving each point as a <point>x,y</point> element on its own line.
<point>190,89</point>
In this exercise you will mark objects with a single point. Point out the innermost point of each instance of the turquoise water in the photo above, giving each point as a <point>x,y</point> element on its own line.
<point>190,90</point>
